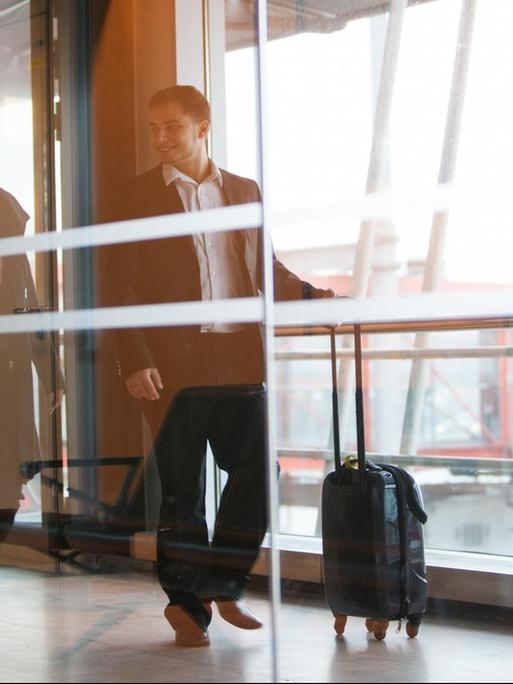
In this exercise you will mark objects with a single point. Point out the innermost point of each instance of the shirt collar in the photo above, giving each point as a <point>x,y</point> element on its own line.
<point>171,174</point>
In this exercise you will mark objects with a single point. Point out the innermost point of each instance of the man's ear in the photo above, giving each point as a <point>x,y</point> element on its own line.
<point>203,129</point>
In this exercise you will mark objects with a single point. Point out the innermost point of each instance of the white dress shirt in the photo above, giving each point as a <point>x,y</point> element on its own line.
<point>219,262</point>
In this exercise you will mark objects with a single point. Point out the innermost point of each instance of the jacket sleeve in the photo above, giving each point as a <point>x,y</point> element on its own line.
<point>287,285</point>
<point>119,269</point>
<point>121,264</point>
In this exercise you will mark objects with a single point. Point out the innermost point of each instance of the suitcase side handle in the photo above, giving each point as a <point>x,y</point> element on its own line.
<point>360,425</point>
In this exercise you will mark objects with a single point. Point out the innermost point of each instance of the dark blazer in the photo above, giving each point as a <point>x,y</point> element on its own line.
<point>167,270</point>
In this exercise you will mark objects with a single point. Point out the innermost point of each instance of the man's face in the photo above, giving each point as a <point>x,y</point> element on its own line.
<point>175,136</point>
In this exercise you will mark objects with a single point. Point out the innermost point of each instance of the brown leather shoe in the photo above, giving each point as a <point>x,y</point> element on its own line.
<point>238,614</point>
<point>188,632</point>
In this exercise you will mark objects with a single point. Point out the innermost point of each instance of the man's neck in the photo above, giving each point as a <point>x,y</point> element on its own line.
<point>198,169</point>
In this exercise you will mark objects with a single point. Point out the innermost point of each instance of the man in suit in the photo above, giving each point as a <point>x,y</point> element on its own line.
<point>199,383</point>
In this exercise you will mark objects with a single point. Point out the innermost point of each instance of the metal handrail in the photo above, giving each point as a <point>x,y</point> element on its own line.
<point>449,325</point>
<point>497,465</point>
<point>402,354</point>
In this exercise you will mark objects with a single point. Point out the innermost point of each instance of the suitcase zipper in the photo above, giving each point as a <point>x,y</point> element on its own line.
<point>409,490</point>
<point>401,495</point>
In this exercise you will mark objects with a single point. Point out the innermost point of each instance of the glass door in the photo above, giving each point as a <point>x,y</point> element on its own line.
<point>31,384</point>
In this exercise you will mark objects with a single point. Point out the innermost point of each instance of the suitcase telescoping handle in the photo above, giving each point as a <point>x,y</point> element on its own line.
<point>360,425</point>
<point>334,402</point>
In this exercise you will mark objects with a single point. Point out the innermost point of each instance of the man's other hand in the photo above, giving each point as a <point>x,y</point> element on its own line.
<point>325,294</point>
<point>144,384</point>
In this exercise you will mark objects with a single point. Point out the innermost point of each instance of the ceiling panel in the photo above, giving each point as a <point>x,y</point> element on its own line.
<point>289,17</point>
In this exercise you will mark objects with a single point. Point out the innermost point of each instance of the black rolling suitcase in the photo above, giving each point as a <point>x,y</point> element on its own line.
<point>373,542</point>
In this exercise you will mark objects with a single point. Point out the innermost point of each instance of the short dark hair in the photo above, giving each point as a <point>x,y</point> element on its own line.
<point>193,103</point>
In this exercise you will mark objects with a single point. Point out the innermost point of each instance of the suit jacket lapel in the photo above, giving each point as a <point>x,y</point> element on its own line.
<point>246,249</point>
<point>174,200</point>
<point>171,203</point>
<point>167,195</point>
<point>231,190</point>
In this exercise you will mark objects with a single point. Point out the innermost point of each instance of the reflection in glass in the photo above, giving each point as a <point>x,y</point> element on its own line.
<point>29,361</point>
<point>463,460</point>
<point>18,405</point>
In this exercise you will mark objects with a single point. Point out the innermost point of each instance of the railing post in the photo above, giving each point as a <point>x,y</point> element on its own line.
<point>432,275</point>
<point>269,348</point>
<point>376,179</point>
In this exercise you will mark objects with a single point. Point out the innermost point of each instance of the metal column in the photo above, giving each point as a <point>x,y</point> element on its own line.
<point>376,179</point>
<point>434,261</point>
<point>269,347</point>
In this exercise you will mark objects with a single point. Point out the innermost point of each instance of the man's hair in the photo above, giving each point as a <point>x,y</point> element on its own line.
<point>189,98</point>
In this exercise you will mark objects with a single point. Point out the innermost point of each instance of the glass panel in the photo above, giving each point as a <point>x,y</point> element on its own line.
<point>463,461</point>
<point>483,152</point>
<point>158,458</point>
<point>152,392</point>
<point>31,365</point>
<point>324,71</point>
<point>304,426</point>
<point>161,394</point>
<point>464,447</point>
<point>321,132</point>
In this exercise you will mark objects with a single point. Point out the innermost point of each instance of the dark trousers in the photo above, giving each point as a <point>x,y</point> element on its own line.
<point>7,516</point>
<point>231,419</point>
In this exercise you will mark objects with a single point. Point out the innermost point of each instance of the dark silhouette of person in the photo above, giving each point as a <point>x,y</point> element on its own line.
<point>198,383</point>
<point>19,440</point>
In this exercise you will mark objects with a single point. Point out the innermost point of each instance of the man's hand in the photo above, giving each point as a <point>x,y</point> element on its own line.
<point>325,294</point>
<point>144,384</point>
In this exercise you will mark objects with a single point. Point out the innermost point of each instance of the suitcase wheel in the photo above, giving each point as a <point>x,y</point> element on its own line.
<point>379,629</point>
<point>412,630</point>
<point>340,624</point>
<point>413,624</point>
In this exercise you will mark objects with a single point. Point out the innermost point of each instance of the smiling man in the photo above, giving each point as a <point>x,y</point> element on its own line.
<point>202,383</point>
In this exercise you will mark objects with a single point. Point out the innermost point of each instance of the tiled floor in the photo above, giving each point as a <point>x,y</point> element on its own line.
<point>110,629</point>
